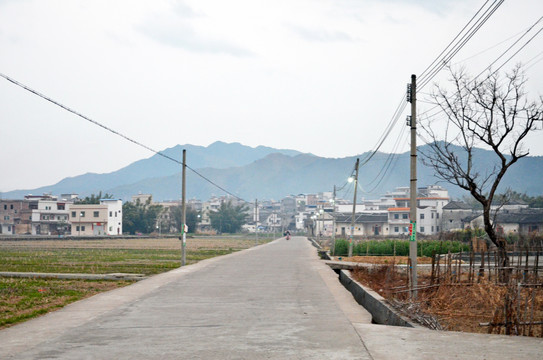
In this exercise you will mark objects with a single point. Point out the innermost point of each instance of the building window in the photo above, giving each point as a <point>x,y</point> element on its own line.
<point>96,214</point>
<point>422,216</point>
<point>82,214</point>
<point>432,229</point>
<point>422,229</point>
<point>11,206</point>
<point>82,228</point>
<point>111,228</point>
<point>432,215</point>
<point>73,214</point>
<point>115,214</point>
<point>396,229</point>
<point>5,207</point>
<point>110,213</point>
<point>6,217</point>
<point>404,216</point>
<point>437,228</point>
<point>396,216</point>
<point>9,228</point>
<point>77,228</point>
<point>437,216</point>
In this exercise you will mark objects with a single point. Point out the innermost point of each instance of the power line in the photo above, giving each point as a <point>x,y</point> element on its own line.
<point>510,47</point>
<point>503,64</point>
<point>452,41</point>
<point>516,52</point>
<point>114,132</point>
<point>426,78</point>
<point>392,123</point>
<point>490,48</point>
<point>477,21</point>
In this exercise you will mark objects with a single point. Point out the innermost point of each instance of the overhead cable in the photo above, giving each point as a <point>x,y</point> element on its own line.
<point>114,132</point>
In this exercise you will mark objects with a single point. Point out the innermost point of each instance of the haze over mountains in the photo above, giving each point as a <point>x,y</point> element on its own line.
<point>268,173</point>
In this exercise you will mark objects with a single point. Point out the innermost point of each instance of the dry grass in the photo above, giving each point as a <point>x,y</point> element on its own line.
<point>386,260</point>
<point>461,306</point>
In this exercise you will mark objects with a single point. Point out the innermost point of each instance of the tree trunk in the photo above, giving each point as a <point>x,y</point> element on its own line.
<point>503,259</point>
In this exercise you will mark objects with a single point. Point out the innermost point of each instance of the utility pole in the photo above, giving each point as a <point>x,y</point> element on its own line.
<point>354,207</point>
<point>256,221</point>
<point>184,211</point>
<point>333,249</point>
<point>412,97</point>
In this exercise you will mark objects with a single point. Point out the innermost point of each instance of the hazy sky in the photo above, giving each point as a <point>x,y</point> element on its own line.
<point>319,76</point>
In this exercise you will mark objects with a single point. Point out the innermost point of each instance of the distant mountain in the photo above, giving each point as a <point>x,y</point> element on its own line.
<point>277,175</point>
<point>267,173</point>
<point>219,155</point>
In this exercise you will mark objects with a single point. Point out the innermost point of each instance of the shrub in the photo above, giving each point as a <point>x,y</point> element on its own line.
<point>342,247</point>
<point>390,247</point>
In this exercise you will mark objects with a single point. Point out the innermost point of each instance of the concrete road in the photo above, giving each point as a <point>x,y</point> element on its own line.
<point>276,301</point>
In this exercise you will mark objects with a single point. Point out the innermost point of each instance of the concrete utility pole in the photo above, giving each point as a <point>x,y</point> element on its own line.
<point>333,249</point>
<point>184,211</point>
<point>354,207</point>
<point>256,221</point>
<point>412,97</point>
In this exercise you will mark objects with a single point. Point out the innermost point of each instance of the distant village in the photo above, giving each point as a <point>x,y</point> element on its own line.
<point>318,214</point>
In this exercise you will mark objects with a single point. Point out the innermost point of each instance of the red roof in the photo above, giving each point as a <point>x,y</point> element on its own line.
<point>398,209</point>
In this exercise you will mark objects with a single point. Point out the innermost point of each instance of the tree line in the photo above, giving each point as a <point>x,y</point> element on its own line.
<point>144,217</point>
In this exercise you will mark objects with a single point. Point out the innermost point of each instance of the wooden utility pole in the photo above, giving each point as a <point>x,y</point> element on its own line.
<point>184,210</point>
<point>412,97</point>
<point>354,207</point>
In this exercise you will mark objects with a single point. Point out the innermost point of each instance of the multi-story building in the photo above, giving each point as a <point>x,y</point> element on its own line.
<point>15,217</point>
<point>430,203</point>
<point>97,219</point>
<point>50,217</point>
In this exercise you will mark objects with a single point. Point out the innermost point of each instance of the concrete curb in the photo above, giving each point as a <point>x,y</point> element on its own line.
<point>64,276</point>
<point>314,243</point>
<point>373,302</point>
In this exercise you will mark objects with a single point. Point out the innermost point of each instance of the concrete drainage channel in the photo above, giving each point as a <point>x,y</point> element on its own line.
<point>374,303</point>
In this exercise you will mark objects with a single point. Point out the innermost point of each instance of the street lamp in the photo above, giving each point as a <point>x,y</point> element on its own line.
<point>313,217</point>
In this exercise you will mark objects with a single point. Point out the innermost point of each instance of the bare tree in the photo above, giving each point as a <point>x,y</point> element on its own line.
<point>493,113</point>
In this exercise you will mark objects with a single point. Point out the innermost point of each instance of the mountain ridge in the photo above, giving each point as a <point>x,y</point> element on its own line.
<point>268,173</point>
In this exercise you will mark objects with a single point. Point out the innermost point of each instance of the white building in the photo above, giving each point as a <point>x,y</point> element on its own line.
<point>430,203</point>
<point>50,217</point>
<point>97,219</point>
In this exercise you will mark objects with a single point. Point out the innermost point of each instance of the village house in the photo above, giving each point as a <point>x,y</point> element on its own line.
<point>523,221</point>
<point>365,224</point>
<point>97,219</point>
<point>50,217</point>
<point>15,217</point>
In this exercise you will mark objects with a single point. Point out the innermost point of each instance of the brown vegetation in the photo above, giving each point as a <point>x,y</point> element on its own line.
<point>467,303</point>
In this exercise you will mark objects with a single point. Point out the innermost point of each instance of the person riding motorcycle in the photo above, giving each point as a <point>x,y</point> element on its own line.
<point>287,235</point>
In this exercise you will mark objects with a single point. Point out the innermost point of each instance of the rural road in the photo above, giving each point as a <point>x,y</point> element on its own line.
<point>275,301</point>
